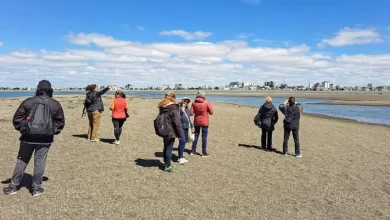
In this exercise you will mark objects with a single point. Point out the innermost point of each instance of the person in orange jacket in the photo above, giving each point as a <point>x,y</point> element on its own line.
<point>119,108</point>
<point>201,108</point>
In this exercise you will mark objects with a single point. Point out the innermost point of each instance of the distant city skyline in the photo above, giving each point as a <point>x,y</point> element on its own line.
<point>150,43</point>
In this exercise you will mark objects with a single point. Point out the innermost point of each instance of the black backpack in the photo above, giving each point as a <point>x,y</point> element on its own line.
<point>163,125</point>
<point>88,101</point>
<point>39,122</point>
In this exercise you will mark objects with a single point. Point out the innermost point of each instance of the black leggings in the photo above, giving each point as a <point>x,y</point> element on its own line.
<point>118,123</point>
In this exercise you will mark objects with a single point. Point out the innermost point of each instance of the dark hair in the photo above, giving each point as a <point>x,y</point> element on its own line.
<point>120,93</point>
<point>48,92</point>
<point>91,87</point>
<point>291,101</point>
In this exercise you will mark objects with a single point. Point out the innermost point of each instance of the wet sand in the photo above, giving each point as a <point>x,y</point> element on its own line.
<point>344,172</point>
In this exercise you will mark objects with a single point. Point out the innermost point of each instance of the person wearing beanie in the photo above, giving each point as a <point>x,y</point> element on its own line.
<point>201,109</point>
<point>32,143</point>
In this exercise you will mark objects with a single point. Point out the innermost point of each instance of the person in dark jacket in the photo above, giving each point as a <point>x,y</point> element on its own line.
<point>94,106</point>
<point>186,126</point>
<point>268,117</point>
<point>168,105</point>
<point>292,112</point>
<point>30,144</point>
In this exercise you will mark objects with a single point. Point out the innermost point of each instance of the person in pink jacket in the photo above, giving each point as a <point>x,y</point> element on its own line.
<point>201,108</point>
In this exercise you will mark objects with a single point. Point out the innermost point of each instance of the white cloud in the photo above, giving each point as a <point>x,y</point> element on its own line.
<point>99,40</point>
<point>251,2</point>
<point>23,54</point>
<point>1,43</point>
<point>349,36</point>
<point>139,27</point>
<point>197,35</point>
<point>196,63</point>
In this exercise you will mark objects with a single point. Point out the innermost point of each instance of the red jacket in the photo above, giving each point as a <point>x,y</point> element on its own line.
<point>201,108</point>
<point>118,107</point>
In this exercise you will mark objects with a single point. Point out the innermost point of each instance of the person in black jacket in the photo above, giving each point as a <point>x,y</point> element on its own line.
<point>168,105</point>
<point>268,117</point>
<point>30,143</point>
<point>292,112</point>
<point>94,106</point>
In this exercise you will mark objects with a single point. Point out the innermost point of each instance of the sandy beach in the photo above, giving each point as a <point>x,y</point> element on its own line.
<point>344,172</point>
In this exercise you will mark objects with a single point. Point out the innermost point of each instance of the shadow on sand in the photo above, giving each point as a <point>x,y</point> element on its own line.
<point>260,148</point>
<point>85,136</point>
<point>149,163</point>
<point>26,181</point>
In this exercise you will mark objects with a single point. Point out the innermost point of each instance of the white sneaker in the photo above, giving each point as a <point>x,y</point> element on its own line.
<point>185,160</point>
<point>181,161</point>
<point>117,142</point>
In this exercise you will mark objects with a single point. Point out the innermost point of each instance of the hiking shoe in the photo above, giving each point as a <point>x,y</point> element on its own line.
<point>205,155</point>
<point>298,155</point>
<point>10,190</point>
<point>95,140</point>
<point>181,161</point>
<point>169,169</point>
<point>37,192</point>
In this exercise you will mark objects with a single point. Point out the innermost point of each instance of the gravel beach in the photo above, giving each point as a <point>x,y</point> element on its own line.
<point>344,172</point>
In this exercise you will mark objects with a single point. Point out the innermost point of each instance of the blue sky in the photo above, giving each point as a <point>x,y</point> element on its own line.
<point>197,42</point>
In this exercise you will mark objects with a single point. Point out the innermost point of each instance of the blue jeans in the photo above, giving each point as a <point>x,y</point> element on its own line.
<point>182,142</point>
<point>168,147</point>
<point>205,131</point>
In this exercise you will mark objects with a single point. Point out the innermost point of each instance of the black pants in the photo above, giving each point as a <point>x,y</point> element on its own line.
<point>168,147</point>
<point>118,124</point>
<point>295,133</point>
<point>266,138</point>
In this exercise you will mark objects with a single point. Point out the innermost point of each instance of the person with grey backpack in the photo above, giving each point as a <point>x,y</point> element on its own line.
<point>38,119</point>
<point>292,112</point>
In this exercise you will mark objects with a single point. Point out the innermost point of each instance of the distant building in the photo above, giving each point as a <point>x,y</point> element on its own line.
<point>369,85</point>
<point>270,84</point>
<point>178,86</point>
<point>310,86</point>
<point>331,86</point>
<point>234,84</point>
<point>325,84</point>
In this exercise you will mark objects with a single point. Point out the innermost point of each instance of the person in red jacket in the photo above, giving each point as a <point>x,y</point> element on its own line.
<point>119,108</point>
<point>201,108</point>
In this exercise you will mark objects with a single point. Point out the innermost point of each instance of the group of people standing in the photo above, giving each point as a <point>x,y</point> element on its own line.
<point>267,117</point>
<point>41,117</point>
<point>179,115</point>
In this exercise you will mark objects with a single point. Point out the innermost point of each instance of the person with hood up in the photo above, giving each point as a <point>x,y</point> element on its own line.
<point>30,142</point>
<point>201,108</point>
<point>292,112</point>
<point>94,106</point>
<point>169,107</point>
<point>268,117</point>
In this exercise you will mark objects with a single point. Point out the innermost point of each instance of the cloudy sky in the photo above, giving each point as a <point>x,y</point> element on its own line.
<point>194,42</point>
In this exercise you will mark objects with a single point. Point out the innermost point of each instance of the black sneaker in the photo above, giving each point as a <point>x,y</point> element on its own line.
<point>37,192</point>
<point>10,190</point>
<point>205,155</point>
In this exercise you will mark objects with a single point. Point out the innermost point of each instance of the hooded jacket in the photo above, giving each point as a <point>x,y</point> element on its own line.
<point>96,98</point>
<point>293,112</point>
<point>201,108</point>
<point>173,119</point>
<point>24,110</point>
<point>268,116</point>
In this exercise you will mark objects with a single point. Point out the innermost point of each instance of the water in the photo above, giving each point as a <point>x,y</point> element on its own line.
<point>370,114</point>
